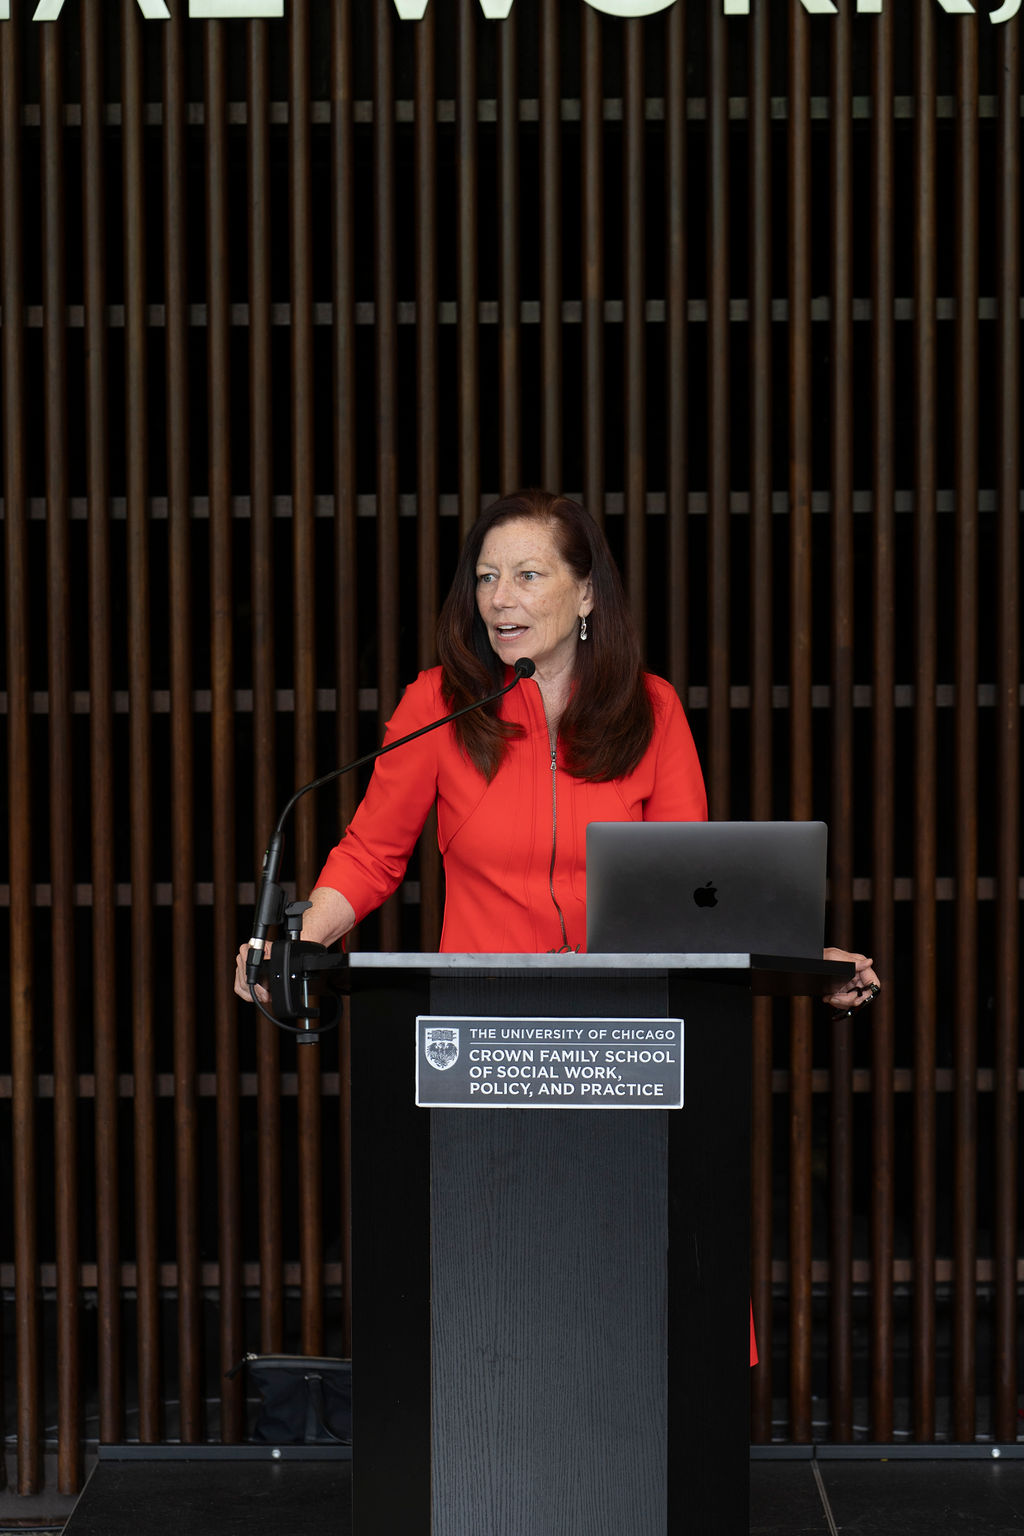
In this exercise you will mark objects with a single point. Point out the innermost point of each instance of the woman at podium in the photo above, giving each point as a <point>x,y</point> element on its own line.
<point>590,736</point>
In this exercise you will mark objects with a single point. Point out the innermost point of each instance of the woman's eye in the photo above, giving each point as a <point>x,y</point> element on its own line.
<point>483,576</point>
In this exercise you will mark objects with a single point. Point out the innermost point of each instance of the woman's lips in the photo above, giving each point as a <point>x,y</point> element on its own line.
<point>510,631</point>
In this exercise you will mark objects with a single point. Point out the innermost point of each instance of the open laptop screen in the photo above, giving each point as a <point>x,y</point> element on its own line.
<point>706,887</point>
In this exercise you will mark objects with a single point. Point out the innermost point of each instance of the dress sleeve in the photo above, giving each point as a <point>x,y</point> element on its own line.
<point>368,863</point>
<point>677,793</point>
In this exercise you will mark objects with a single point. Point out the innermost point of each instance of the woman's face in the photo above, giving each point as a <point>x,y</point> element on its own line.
<point>529,598</point>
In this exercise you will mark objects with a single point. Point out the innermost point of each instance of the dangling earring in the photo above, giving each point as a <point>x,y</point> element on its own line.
<point>583,627</point>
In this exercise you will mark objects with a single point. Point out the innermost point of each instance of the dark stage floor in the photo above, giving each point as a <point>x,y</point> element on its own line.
<point>886,1498</point>
<point>789,1497</point>
<point>215,1497</point>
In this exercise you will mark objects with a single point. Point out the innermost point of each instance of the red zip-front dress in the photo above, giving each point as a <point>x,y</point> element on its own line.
<point>514,849</point>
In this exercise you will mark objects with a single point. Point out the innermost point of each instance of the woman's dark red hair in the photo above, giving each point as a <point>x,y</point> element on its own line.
<point>608,722</point>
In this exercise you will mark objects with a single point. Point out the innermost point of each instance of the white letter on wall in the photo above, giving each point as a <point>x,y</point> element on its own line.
<point>49,10</point>
<point>227,10</point>
<point>630,7</point>
<point>816,7</point>
<point>413,10</point>
<point>957,7</point>
<point>1006,11</point>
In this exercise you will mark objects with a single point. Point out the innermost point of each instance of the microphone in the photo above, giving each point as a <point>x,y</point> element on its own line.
<point>270,903</point>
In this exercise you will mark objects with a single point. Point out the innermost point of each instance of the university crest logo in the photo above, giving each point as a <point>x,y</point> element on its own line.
<point>441,1047</point>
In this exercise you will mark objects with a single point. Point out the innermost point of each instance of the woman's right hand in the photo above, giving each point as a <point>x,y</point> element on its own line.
<point>241,985</point>
<point>329,916</point>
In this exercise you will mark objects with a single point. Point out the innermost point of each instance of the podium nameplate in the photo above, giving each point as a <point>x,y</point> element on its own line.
<point>540,1063</point>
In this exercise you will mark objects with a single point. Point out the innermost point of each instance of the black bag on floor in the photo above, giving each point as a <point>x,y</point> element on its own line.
<point>304,1400</point>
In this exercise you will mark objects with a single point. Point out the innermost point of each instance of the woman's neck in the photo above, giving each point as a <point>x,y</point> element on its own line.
<point>554,693</point>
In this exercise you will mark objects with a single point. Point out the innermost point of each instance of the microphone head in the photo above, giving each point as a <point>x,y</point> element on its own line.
<point>524,667</point>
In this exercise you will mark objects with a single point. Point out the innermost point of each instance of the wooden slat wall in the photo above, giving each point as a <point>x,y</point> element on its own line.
<point>140,639</point>
<point>799,213</point>
<point>841,680</point>
<point>222,682</point>
<point>758,765</point>
<point>183,803</point>
<point>346,583</point>
<point>23,1405</point>
<point>1007,1047</point>
<point>592,258</point>
<point>761,307</point>
<point>58,647</point>
<point>883,681</point>
<point>965,765</point>
<point>310,1132</point>
<point>924,973</point>
<point>264,629</point>
<point>103,956</point>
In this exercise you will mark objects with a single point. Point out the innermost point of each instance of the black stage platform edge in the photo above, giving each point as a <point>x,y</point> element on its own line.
<point>215,1496</point>
<point>865,1451</point>
<point>782,1452</point>
<point>134,1451</point>
<point>918,1451</point>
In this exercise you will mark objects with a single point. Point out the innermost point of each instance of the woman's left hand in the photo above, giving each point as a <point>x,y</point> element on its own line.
<point>862,989</point>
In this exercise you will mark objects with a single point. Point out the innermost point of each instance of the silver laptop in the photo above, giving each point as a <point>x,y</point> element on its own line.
<point>706,887</point>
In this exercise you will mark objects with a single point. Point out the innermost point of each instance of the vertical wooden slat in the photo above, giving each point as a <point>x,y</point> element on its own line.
<point>12,353</point>
<point>592,236</point>
<point>761,679</point>
<point>428,464</point>
<point>264,720</point>
<point>183,808</point>
<point>800,474</point>
<point>304,646</point>
<point>58,641</point>
<point>345,440</point>
<point>550,248</point>
<point>925,746</point>
<point>841,870</point>
<point>300,217</point>
<point>387,362</point>
<point>634,405</point>
<point>222,705</point>
<point>140,726</point>
<point>427,482</point>
<point>676,370</point>
<point>965,631</point>
<point>883,395</point>
<point>385,291</point>
<point>1007,1049</point>
<point>346,582</point>
<point>101,748</point>
<point>468,299</point>
<point>717,768</point>
<point>509,381</point>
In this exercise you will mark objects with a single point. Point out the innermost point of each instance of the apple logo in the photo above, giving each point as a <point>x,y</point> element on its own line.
<point>706,895</point>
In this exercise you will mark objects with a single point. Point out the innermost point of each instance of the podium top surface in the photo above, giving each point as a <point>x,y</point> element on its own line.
<point>784,975</point>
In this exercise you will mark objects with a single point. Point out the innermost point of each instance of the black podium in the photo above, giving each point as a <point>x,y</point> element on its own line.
<point>550,1304</point>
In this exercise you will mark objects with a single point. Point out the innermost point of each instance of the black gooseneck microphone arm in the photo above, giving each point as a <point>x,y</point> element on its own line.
<point>270,905</point>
